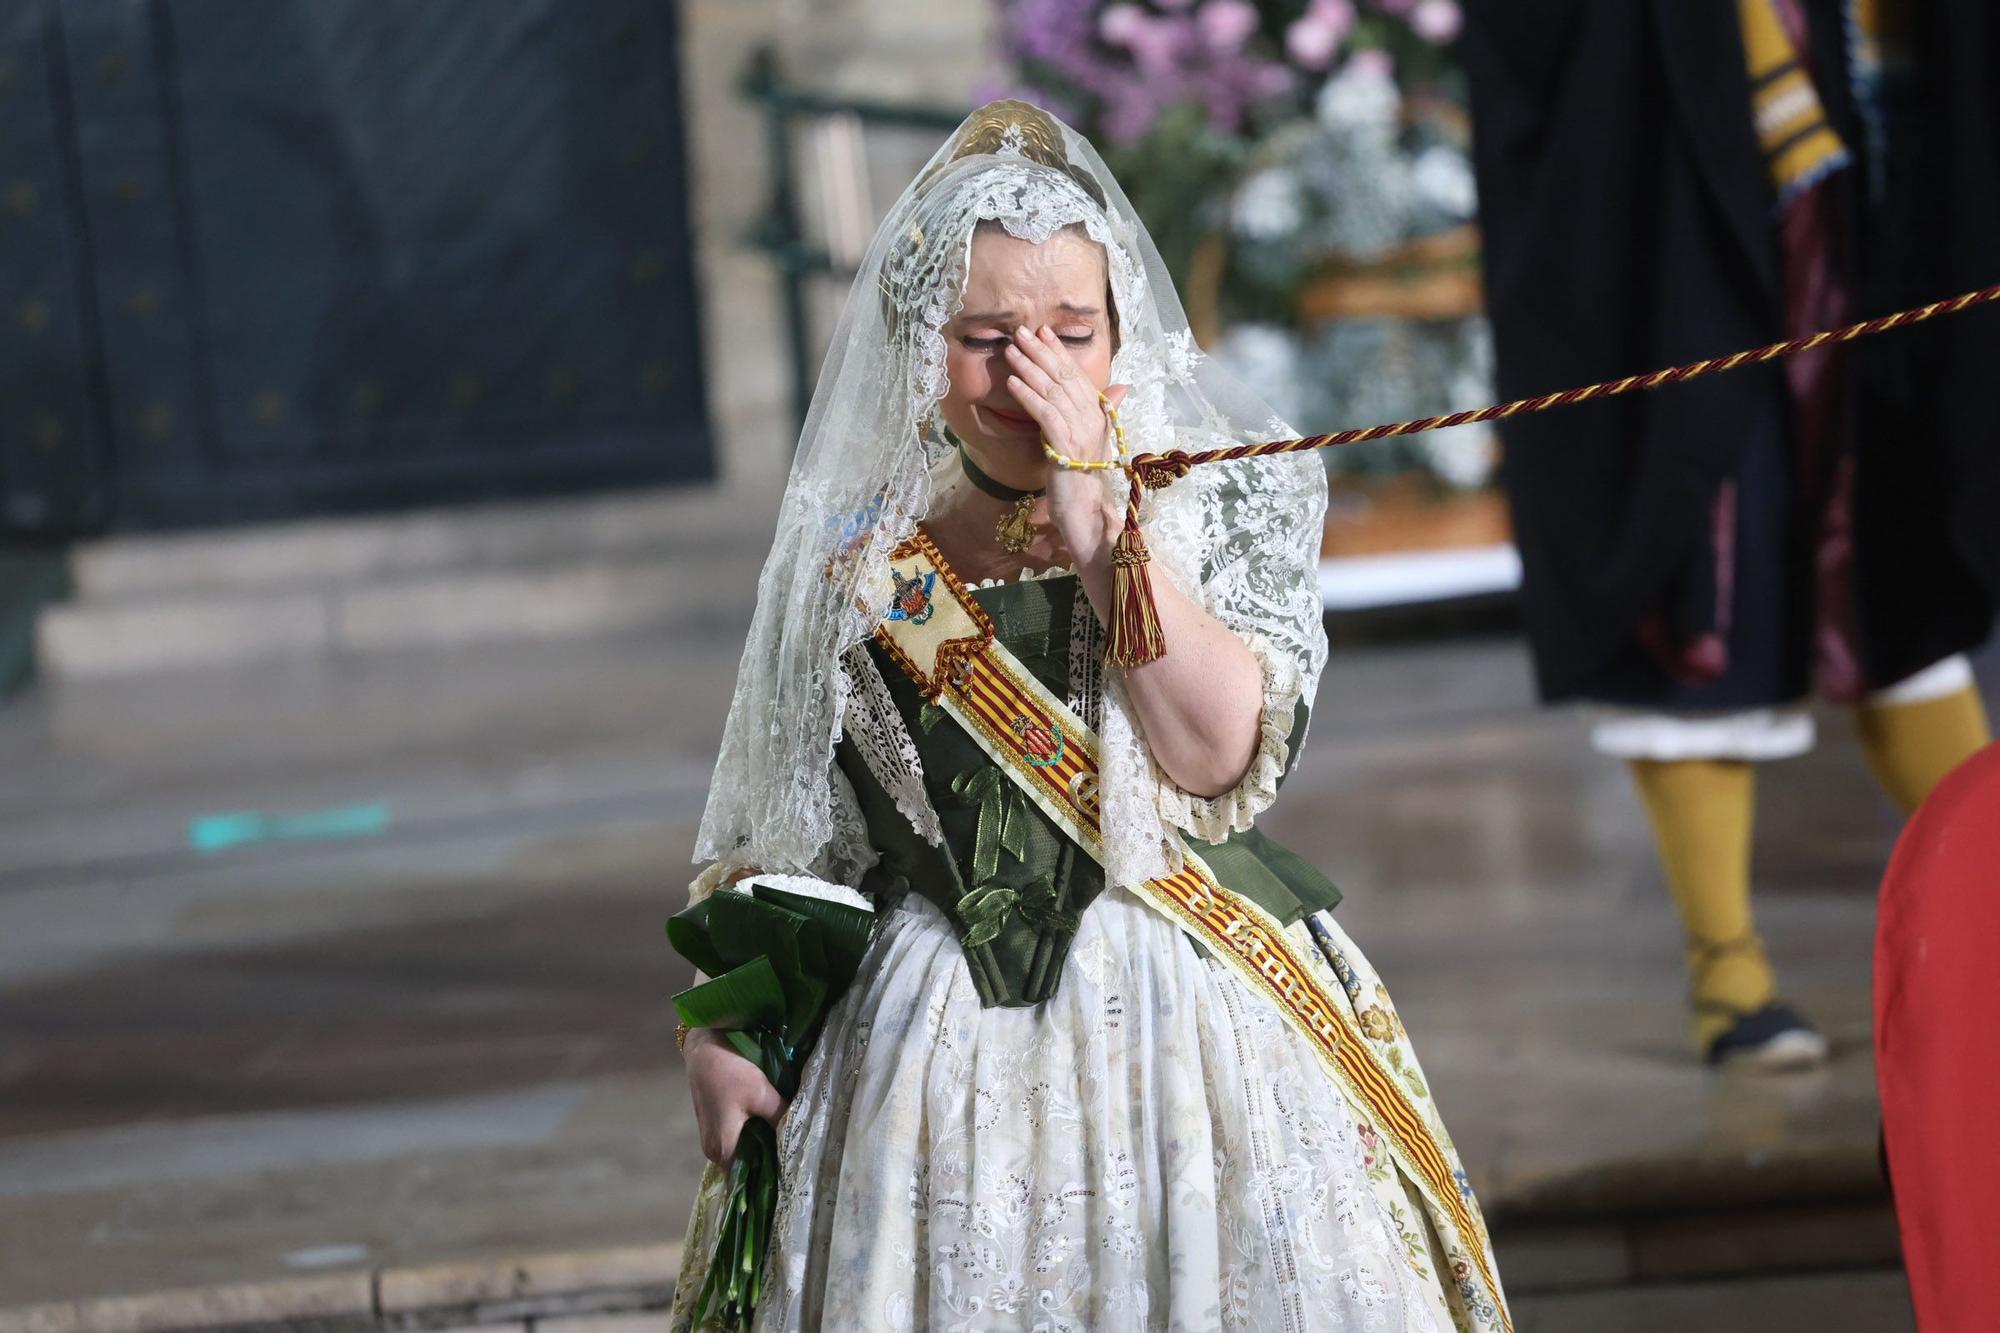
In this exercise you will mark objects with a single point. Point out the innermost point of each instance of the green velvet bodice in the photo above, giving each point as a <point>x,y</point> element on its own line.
<point>1013,884</point>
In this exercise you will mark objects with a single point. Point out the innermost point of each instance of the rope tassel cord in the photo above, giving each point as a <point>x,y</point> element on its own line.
<point>1134,635</point>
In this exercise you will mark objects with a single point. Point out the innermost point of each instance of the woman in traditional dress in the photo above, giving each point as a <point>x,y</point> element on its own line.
<point>1109,1063</point>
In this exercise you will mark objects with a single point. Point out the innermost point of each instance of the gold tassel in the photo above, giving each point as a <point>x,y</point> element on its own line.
<point>1134,637</point>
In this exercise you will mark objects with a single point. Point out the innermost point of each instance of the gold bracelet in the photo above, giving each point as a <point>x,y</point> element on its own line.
<point>681,1031</point>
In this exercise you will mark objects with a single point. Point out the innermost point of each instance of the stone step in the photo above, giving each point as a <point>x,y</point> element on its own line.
<point>1622,1241</point>
<point>432,578</point>
<point>626,1289</point>
<point>453,607</point>
<point>30,579</point>
<point>1705,1244</point>
<point>335,552</point>
<point>1872,1301</point>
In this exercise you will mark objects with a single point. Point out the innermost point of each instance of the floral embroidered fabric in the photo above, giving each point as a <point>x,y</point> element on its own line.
<point>1153,1148</point>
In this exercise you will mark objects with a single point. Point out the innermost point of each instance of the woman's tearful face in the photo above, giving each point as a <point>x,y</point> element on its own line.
<point>1011,282</point>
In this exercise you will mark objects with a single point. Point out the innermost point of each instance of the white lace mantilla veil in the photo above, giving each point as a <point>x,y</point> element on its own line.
<point>1242,539</point>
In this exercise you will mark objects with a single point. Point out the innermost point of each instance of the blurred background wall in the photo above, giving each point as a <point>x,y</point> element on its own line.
<point>280,260</point>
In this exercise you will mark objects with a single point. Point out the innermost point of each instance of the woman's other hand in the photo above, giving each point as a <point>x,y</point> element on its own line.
<point>727,1091</point>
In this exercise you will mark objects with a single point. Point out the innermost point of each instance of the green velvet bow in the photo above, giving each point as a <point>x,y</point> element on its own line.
<point>1003,819</point>
<point>984,910</point>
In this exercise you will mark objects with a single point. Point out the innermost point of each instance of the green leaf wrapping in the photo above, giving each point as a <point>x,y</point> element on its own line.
<point>778,962</point>
<point>688,933</point>
<point>745,998</point>
<point>844,932</point>
<point>741,926</point>
<point>735,1271</point>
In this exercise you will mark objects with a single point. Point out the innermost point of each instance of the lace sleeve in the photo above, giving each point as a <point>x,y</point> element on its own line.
<point>848,854</point>
<point>846,857</point>
<point>713,878</point>
<point>1214,818</point>
<point>1243,539</point>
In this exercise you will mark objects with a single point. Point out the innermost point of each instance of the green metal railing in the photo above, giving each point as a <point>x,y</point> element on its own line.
<point>778,232</point>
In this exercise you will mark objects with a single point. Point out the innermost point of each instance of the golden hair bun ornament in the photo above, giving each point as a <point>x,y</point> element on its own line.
<point>1011,125</point>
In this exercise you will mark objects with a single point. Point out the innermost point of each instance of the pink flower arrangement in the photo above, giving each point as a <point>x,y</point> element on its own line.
<point>1123,65</point>
<point>1437,20</point>
<point>1314,38</point>
<point>1226,25</point>
<point>1177,92</point>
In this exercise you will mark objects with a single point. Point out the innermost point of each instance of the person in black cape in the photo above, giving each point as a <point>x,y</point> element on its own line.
<point>1666,180</point>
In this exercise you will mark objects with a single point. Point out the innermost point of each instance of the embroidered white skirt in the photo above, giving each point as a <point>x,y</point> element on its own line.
<point>1151,1148</point>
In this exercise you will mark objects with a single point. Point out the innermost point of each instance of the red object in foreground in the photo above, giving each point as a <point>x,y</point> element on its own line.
<point>1937,1042</point>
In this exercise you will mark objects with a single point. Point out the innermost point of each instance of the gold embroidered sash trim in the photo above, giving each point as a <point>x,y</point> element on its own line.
<point>945,643</point>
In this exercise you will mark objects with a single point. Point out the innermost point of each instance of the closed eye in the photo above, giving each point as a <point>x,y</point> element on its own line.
<point>995,344</point>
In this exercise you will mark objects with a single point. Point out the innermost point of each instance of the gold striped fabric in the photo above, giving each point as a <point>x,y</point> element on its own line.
<point>1800,147</point>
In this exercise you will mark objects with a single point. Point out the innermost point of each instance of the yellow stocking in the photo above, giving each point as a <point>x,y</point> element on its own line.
<point>1701,811</point>
<point>1910,746</point>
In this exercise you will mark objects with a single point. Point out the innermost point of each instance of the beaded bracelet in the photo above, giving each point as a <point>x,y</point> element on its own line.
<point>1095,465</point>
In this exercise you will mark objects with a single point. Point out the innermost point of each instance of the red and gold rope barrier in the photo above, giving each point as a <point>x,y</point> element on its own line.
<point>1134,635</point>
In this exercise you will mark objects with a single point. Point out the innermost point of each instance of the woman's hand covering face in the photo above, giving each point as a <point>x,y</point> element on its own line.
<point>1026,359</point>
<point>1065,403</point>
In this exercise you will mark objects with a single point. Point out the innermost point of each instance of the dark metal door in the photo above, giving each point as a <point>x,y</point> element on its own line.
<point>306,256</point>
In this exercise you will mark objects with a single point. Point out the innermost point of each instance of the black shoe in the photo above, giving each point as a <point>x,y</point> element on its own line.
<point>1774,1037</point>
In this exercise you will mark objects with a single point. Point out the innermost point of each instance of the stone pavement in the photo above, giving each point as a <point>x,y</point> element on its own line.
<point>423,1017</point>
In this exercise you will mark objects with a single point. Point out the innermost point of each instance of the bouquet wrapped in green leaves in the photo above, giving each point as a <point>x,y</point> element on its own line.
<point>777,962</point>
